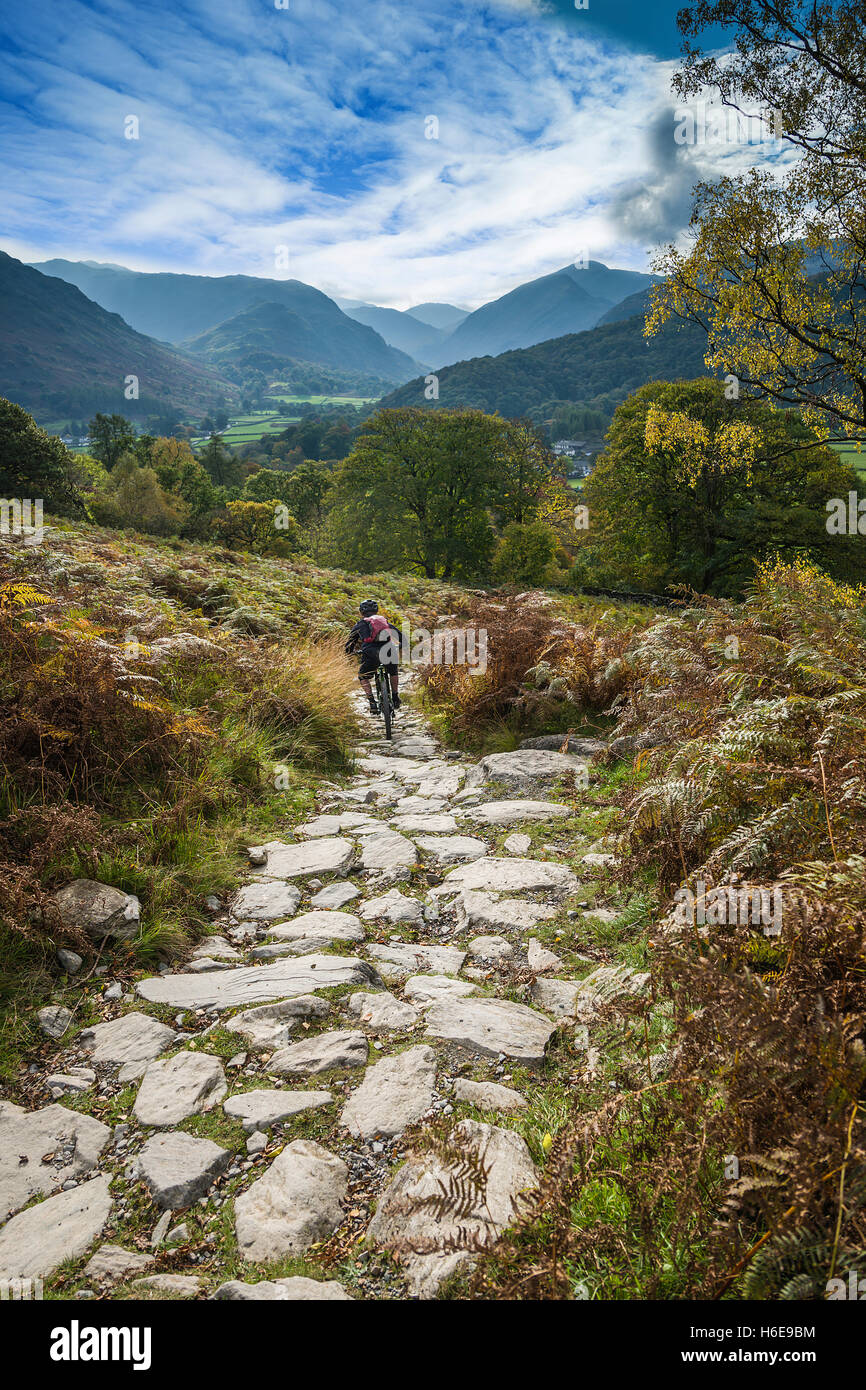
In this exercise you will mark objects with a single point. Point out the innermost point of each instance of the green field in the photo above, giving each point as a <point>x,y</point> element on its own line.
<point>321,400</point>
<point>245,429</point>
<point>849,453</point>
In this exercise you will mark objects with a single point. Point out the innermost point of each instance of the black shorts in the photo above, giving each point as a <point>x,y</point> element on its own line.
<point>370,662</point>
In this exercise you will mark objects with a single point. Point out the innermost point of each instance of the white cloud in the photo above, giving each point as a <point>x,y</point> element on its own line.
<point>306,127</point>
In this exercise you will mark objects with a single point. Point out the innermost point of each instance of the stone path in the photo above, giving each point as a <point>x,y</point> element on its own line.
<point>380,972</point>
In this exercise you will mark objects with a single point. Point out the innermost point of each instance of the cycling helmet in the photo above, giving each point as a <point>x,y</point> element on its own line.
<point>368,607</point>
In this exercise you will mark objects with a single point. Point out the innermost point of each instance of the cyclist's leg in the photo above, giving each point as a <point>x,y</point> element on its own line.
<point>369,663</point>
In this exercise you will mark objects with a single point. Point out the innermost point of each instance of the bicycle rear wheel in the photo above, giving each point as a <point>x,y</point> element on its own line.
<point>385,700</point>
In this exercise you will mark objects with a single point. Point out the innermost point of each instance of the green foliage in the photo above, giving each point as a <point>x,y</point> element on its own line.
<point>34,464</point>
<point>658,517</point>
<point>525,554</point>
<point>111,436</point>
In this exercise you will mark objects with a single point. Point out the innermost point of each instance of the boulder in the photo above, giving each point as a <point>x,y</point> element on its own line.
<point>486,1095</point>
<point>98,909</point>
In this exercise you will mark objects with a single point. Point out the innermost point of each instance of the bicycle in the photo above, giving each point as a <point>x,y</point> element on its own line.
<point>383,693</point>
<point>384,699</point>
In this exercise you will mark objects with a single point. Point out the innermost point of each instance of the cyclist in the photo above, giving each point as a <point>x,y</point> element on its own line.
<point>380,645</point>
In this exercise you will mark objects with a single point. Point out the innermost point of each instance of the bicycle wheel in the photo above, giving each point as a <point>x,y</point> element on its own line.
<point>385,700</point>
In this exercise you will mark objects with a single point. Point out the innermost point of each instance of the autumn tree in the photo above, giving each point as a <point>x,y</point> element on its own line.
<point>775,268</point>
<point>693,487</point>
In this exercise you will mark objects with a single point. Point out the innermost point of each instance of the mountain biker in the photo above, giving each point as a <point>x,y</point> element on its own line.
<point>376,638</point>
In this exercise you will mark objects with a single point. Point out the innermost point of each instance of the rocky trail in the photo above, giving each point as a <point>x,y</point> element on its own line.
<point>264,1121</point>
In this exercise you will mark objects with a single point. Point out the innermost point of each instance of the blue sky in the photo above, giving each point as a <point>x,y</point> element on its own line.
<point>446,150</point>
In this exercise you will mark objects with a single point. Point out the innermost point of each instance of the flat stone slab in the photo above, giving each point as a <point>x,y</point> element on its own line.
<point>177,1168</point>
<point>508,812</point>
<point>262,1108</point>
<point>184,1085</point>
<point>270,1025</point>
<point>486,1095</point>
<point>425,988</point>
<point>42,1149</point>
<point>216,948</point>
<point>295,1203</point>
<point>36,1241</point>
<point>320,926</point>
<point>181,1285</point>
<point>265,901</point>
<point>489,1027</point>
<point>539,959</point>
<point>412,957</point>
<point>532,764</point>
<point>297,1289</point>
<point>324,1052</point>
<point>382,1013</point>
<point>129,1043</point>
<point>112,1263</point>
<point>334,824</point>
<point>426,824</point>
<point>392,906</point>
<point>511,876</point>
<point>604,985</point>
<point>335,895</point>
<point>327,855</point>
<point>558,998</point>
<point>253,984</point>
<point>387,850</point>
<point>474,910</point>
<point>451,849</point>
<point>494,948</point>
<point>436,1247</point>
<point>394,1094</point>
<point>419,805</point>
<point>437,782</point>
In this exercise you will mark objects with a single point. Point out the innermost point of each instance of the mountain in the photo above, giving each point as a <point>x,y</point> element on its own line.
<point>443,316</point>
<point>633,304</point>
<point>567,301</point>
<point>610,360</point>
<point>267,335</point>
<point>400,329</point>
<point>176,308</point>
<point>61,354</point>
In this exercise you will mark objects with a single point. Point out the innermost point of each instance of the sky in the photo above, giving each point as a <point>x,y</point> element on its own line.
<point>381,150</point>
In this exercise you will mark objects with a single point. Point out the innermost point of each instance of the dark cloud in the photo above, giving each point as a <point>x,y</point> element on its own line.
<point>657,208</point>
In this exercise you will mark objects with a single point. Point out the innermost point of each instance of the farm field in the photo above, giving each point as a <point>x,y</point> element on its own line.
<point>289,399</point>
<point>850,453</point>
<point>245,429</point>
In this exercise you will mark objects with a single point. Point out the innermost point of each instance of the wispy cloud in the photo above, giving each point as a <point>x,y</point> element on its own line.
<point>309,128</point>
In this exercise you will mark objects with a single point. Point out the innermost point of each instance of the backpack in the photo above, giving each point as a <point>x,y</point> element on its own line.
<point>379,628</point>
